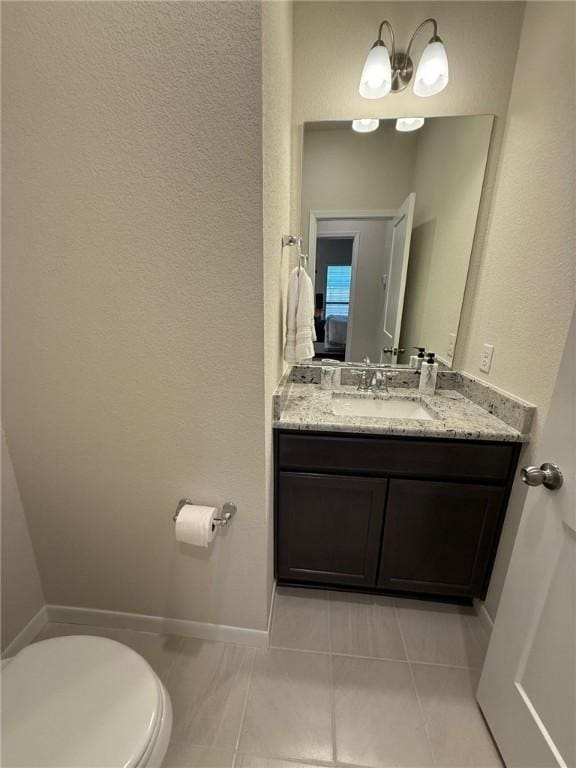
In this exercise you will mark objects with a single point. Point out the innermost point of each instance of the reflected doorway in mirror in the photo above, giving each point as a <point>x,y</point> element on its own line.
<point>360,262</point>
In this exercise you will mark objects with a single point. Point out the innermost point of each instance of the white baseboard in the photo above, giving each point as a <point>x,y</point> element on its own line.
<point>94,617</point>
<point>26,635</point>
<point>484,616</point>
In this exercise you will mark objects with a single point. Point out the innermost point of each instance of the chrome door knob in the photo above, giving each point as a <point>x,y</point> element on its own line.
<point>548,475</point>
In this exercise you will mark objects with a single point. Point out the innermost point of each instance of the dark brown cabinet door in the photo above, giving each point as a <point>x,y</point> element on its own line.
<point>439,537</point>
<point>329,528</point>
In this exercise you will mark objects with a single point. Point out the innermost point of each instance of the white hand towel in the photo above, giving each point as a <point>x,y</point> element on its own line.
<point>300,333</point>
<point>305,333</point>
<point>291,309</point>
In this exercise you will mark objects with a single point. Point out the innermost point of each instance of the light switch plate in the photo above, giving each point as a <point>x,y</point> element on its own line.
<point>451,345</point>
<point>486,358</point>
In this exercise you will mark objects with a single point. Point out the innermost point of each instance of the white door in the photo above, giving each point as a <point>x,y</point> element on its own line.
<point>396,282</point>
<point>528,686</point>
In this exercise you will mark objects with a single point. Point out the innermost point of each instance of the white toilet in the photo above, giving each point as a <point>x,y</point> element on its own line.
<point>83,702</point>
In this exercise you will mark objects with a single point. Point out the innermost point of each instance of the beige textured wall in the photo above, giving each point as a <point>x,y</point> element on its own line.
<point>22,595</point>
<point>133,291</point>
<point>277,113</point>
<point>448,177</point>
<point>343,170</point>
<point>524,296</point>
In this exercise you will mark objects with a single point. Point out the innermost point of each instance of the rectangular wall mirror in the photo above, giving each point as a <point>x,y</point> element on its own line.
<point>389,220</point>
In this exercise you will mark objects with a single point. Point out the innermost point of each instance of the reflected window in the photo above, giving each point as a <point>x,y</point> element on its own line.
<point>338,280</point>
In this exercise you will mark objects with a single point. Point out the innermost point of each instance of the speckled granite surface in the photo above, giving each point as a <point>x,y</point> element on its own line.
<point>280,396</point>
<point>513,411</point>
<point>307,407</point>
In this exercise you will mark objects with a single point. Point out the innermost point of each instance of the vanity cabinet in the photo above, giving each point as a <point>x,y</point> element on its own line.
<point>389,514</point>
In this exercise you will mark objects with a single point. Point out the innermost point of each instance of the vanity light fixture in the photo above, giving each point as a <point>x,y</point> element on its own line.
<point>407,124</point>
<point>390,71</point>
<point>365,125</point>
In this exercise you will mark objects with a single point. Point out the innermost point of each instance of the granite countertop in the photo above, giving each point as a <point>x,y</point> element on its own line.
<point>308,407</point>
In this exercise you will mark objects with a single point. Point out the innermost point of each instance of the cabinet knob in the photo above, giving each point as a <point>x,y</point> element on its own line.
<point>548,475</point>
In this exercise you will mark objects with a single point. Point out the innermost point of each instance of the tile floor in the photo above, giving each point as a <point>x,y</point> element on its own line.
<point>348,680</point>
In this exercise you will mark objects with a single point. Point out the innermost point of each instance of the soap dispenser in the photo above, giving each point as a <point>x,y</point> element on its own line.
<point>428,375</point>
<point>417,360</point>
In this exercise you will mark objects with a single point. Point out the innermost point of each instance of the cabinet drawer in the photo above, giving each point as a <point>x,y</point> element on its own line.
<point>395,456</point>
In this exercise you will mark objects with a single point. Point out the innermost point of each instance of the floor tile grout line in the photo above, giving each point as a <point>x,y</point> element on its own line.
<point>299,650</point>
<point>300,761</point>
<point>413,679</point>
<point>332,692</point>
<point>443,665</point>
<point>245,704</point>
<point>375,658</point>
<point>297,761</point>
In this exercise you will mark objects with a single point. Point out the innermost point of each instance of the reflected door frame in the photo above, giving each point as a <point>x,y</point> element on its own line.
<point>347,234</point>
<point>315,217</point>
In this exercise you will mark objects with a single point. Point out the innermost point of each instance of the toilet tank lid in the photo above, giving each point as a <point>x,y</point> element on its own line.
<point>78,701</point>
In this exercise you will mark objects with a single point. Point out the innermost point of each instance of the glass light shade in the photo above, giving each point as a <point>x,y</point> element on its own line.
<point>432,73</point>
<point>376,78</point>
<point>406,124</point>
<point>365,125</point>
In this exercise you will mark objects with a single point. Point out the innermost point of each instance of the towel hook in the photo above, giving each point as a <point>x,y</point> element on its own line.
<point>288,240</point>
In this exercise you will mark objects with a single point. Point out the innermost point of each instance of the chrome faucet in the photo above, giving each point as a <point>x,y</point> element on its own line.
<point>365,383</point>
<point>374,381</point>
<point>382,381</point>
<point>378,381</point>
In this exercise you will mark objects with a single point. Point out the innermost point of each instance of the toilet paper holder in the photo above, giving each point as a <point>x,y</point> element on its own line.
<point>227,513</point>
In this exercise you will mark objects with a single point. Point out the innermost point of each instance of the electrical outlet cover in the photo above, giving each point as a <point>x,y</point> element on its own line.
<point>486,358</point>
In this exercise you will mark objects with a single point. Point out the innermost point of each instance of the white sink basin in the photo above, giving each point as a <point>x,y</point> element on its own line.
<point>382,407</point>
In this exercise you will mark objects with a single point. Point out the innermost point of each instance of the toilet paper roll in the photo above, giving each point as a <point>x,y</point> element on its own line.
<point>195,525</point>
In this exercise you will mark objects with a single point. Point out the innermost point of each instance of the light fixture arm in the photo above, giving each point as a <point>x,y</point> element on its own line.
<point>418,28</point>
<point>391,70</point>
<point>388,26</point>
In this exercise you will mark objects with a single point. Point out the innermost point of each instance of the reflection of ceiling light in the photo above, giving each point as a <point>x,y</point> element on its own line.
<point>366,125</point>
<point>388,70</point>
<point>406,124</point>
